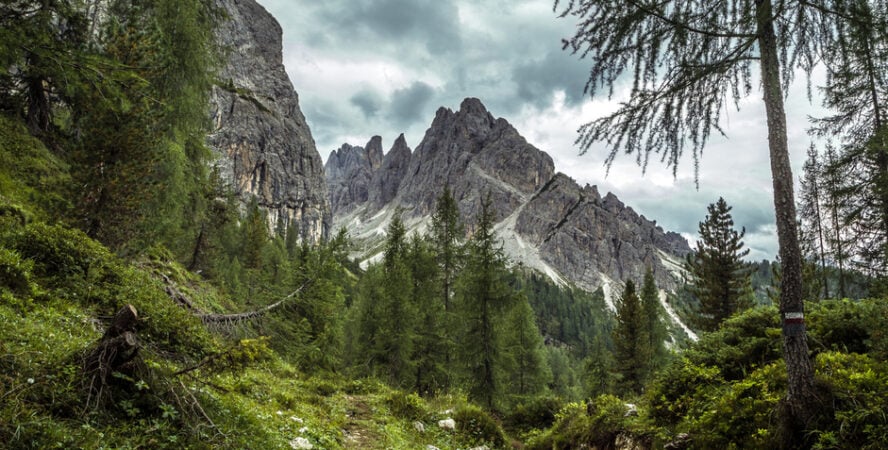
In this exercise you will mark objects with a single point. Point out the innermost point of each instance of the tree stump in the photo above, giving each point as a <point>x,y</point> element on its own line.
<point>117,348</point>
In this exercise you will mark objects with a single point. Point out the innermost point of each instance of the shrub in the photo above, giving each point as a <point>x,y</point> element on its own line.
<point>15,274</point>
<point>743,342</point>
<point>597,424</point>
<point>681,389</point>
<point>858,385</point>
<point>478,428</point>
<point>407,406</point>
<point>538,412</point>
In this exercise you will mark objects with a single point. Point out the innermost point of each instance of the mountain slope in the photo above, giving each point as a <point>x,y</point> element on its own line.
<point>546,220</point>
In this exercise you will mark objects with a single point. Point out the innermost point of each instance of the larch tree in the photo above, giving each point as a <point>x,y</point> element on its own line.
<point>810,216</point>
<point>856,93</point>
<point>687,62</point>
<point>719,279</point>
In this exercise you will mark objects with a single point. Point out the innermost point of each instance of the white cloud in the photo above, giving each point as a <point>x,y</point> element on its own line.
<point>503,52</point>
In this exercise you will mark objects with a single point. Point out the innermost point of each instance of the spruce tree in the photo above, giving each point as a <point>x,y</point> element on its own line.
<point>523,346</point>
<point>484,297</point>
<point>428,358</point>
<point>631,341</point>
<point>446,234</point>
<point>653,315</point>
<point>719,278</point>
<point>394,340</point>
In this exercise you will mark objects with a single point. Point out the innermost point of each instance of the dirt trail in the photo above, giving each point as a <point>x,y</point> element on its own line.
<point>357,433</point>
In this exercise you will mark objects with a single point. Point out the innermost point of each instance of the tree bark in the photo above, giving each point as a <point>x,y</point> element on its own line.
<point>800,396</point>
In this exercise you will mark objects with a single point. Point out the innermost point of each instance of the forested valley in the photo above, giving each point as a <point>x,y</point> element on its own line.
<point>144,304</point>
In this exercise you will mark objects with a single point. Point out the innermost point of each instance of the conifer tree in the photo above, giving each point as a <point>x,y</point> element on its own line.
<point>431,373</point>
<point>689,61</point>
<point>484,297</point>
<point>447,231</point>
<point>523,346</point>
<point>599,368</point>
<point>653,317</point>
<point>856,93</point>
<point>719,278</point>
<point>810,216</point>
<point>394,339</point>
<point>836,203</point>
<point>446,234</point>
<point>631,341</point>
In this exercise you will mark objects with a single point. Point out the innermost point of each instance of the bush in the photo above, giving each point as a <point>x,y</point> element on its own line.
<point>535,413</point>
<point>597,424</point>
<point>743,342</point>
<point>15,274</point>
<point>848,326</point>
<point>858,385</point>
<point>407,406</point>
<point>678,390</point>
<point>478,428</point>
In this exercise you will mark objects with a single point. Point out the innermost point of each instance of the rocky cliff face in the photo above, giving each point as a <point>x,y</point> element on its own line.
<point>263,145</point>
<point>546,220</point>
<point>349,172</point>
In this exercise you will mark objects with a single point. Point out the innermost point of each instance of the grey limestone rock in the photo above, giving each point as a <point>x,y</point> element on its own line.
<point>264,148</point>
<point>349,172</point>
<point>386,181</point>
<point>476,155</point>
<point>571,229</point>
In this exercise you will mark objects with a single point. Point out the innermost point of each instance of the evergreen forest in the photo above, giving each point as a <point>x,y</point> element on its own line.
<point>144,305</point>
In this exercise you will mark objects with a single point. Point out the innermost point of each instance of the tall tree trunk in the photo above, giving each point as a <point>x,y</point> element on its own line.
<point>800,394</point>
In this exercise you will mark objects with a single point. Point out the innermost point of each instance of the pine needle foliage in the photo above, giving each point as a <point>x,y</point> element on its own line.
<point>720,279</point>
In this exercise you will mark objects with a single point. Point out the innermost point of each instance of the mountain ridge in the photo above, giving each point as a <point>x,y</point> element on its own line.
<point>546,220</point>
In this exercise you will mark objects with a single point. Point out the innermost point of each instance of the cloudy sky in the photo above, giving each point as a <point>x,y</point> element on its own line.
<point>368,67</point>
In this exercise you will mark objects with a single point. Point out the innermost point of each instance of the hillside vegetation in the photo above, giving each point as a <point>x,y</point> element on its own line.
<point>142,306</point>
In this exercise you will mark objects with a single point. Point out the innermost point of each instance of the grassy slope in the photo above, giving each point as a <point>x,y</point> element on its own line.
<point>57,290</point>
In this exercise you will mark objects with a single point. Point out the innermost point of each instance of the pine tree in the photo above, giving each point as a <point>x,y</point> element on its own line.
<point>653,314</point>
<point>835,191</point>
<point>599,369</point>
<point>718,276</point>
<point>631,341</point>
<point>447,231</point>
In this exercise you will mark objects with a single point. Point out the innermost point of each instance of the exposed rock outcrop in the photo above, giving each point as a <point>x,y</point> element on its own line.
<point>476,155</point>
<point>386,181</point>
<point>349,172</point>
<point>546,220</point>
<point>263,145</point>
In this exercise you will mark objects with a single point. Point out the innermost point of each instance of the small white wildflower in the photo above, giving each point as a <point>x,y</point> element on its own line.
<point>280,413</point>
<point>303,430</point>
<point>30,381</point>
<point>295,419</point>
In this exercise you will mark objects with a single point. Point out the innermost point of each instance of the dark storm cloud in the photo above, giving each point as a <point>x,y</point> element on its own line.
<point>368,101</point>
<point>538,79</point>
<point>408,105</point>
<point>432,23</point>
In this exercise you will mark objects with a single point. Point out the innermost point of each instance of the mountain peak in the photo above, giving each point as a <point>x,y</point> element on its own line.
<point>472,105</point>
